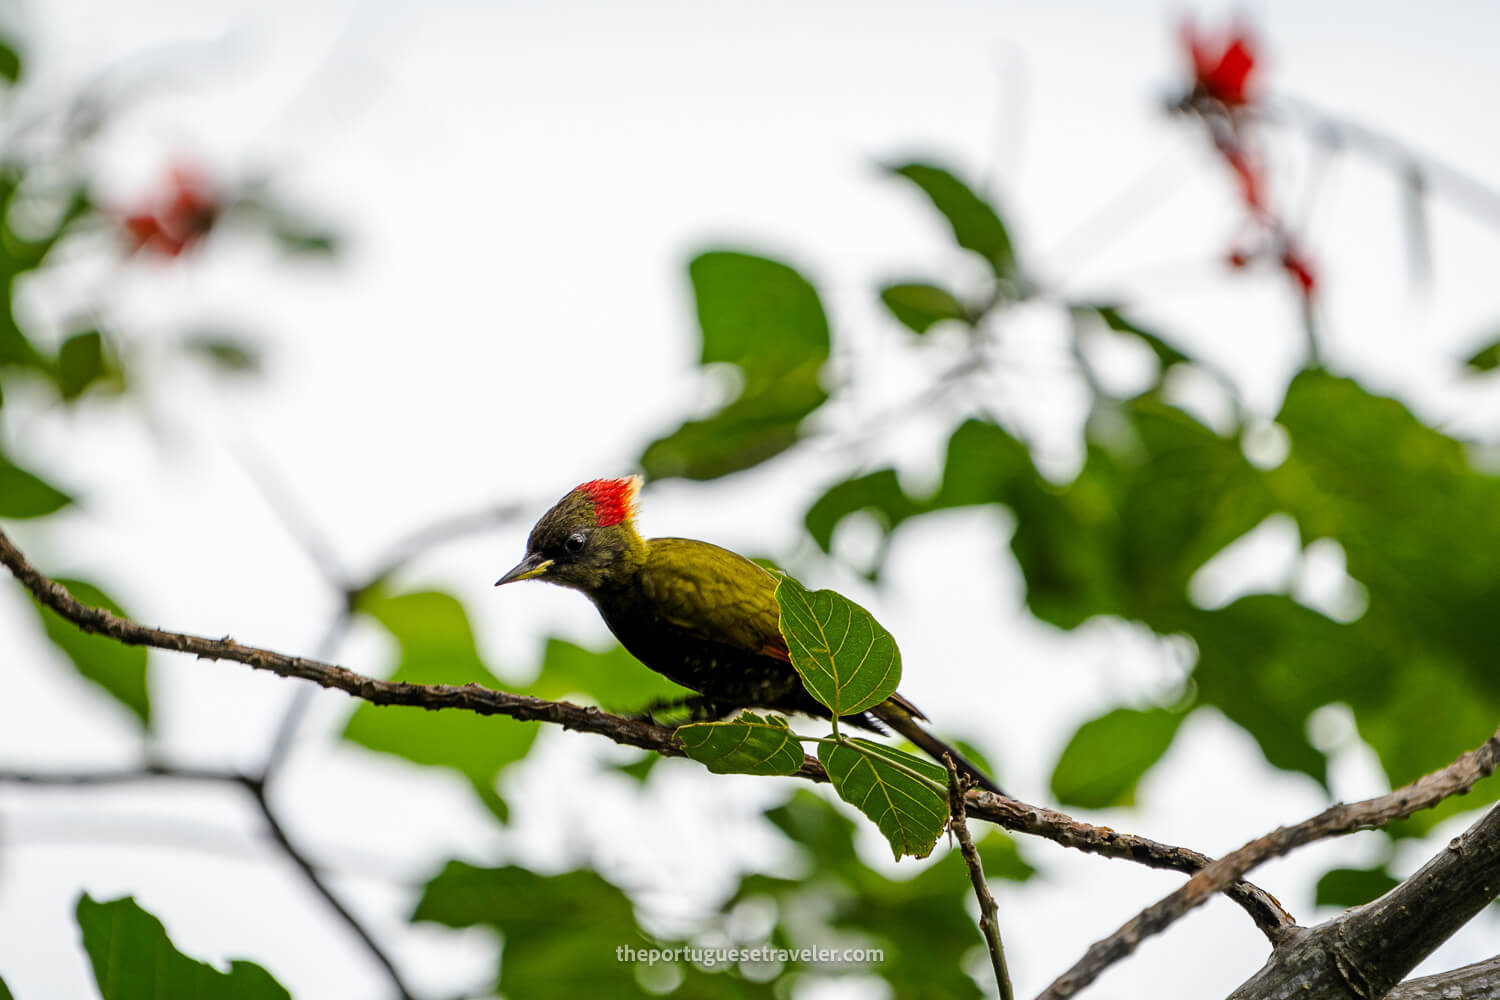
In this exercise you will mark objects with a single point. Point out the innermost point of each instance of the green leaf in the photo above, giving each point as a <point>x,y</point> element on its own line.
<point>231,355</point>
<point>766,319</point>
<point>80,363</point>
<point>847,660</point>
<point>1166,354</point>
<point>10,63</point>
<point>751,744</point>
<point>879,782</point>
<point>1107,756</point>
<point>919,307</point>
<point>5,992</point>
<point>1350,887</point>
<point>117,668</point>
<point>561,931</point>
<point>878,492</point>
<point>610,677</point>
<point>133,959</point>
<point>24,495</point>
<point>437,647</point>
<point>1486,359</point>
<point>976,225</point>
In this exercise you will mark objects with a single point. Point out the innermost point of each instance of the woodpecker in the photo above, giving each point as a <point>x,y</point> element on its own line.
<point>701,615</point>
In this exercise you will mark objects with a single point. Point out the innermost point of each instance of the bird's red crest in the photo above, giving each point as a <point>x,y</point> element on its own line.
<point>614,499</point>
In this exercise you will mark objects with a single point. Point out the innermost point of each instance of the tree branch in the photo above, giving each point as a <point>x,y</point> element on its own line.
<point>1480,981</point>
<point>1369,949</point>
<point>1008,813</point>
<point>1424,793</point>
<point>257,790</point>
<point>988,926</point>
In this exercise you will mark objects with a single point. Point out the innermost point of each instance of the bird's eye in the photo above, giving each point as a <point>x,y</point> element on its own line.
<point>575,542</point>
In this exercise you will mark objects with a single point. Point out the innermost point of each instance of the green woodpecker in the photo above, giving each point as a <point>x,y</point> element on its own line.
<point>701,615</point>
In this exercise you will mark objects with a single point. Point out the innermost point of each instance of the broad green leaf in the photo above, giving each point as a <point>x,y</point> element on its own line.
<point>976,225</point>
<point>4,992</point>
<point>80,363</point>
<point>878,493</point>
<point>1486,359</point>
<point>230,354</point>
<point>751,744</point>
<point>437,647</point>
<point>847,660</point>
<point>560,931</point>
<point>611,677</point>
<point>878,781</point>
<point>1350,887</point>
<point>24,495</point>
<point>10,62</point>
<point>117,668</point>
<point>920,307</point>
<point>133,959</point>
<point>767,320</point>
<point>1107,756</point>
<point>1416,523</point>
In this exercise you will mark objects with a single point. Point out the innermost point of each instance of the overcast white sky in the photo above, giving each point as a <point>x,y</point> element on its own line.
<point>520,185</point>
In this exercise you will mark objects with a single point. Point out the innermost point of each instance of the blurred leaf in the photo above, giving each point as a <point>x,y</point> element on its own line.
<point>1166,354</point>
<point>1350,887</point>
<point>640,769</point>
<point>1107,757</point>
<point>847,660</point>
<point>299,239</point>
<point>228,353</point>
<point>879,493</point>
<point>920,307</point>
<point>1000,858</point>
<point>10,62</point>
<point>80,363</point>
<point>878,781</point>
<point>976,225</point>
<point>612,678</point>
<point>767,320</point>
<point>24,495</point>
<point>1417,525</point>
<point>4,992</point>
<point>751,744</point>
<point>561,932</point>
<point>922,923</point>
<point>134,960</point>
<point>437,647</point>
<point>117,668</point>
<point>1486,359</point>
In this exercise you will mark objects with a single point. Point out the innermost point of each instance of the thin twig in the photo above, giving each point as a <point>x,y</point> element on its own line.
<point>310,873</point>
<point>1008,813</point>
<point>1424,793</point>
<point>988,925</point>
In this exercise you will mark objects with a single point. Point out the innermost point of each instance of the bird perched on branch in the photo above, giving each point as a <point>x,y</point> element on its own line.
<point>699,614</point>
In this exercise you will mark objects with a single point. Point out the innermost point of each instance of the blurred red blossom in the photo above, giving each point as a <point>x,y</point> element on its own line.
<point>177,216</point>
<point>1222,67</point>
<point>1249,174</point>
<point>1299,267</point>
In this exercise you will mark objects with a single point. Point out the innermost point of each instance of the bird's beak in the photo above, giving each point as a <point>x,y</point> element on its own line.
<point>532,566</point>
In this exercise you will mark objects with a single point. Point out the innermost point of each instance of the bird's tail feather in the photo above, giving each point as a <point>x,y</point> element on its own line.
<point>900,718</point>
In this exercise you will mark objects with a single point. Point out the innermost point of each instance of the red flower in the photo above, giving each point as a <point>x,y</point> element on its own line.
<point>177,217</point>
<point>1221,67</point>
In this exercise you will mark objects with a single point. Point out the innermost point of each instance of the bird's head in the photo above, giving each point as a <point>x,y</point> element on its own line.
<point>586,539</point>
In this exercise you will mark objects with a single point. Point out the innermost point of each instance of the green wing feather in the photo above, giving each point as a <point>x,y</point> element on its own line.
<point>714,593</point>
